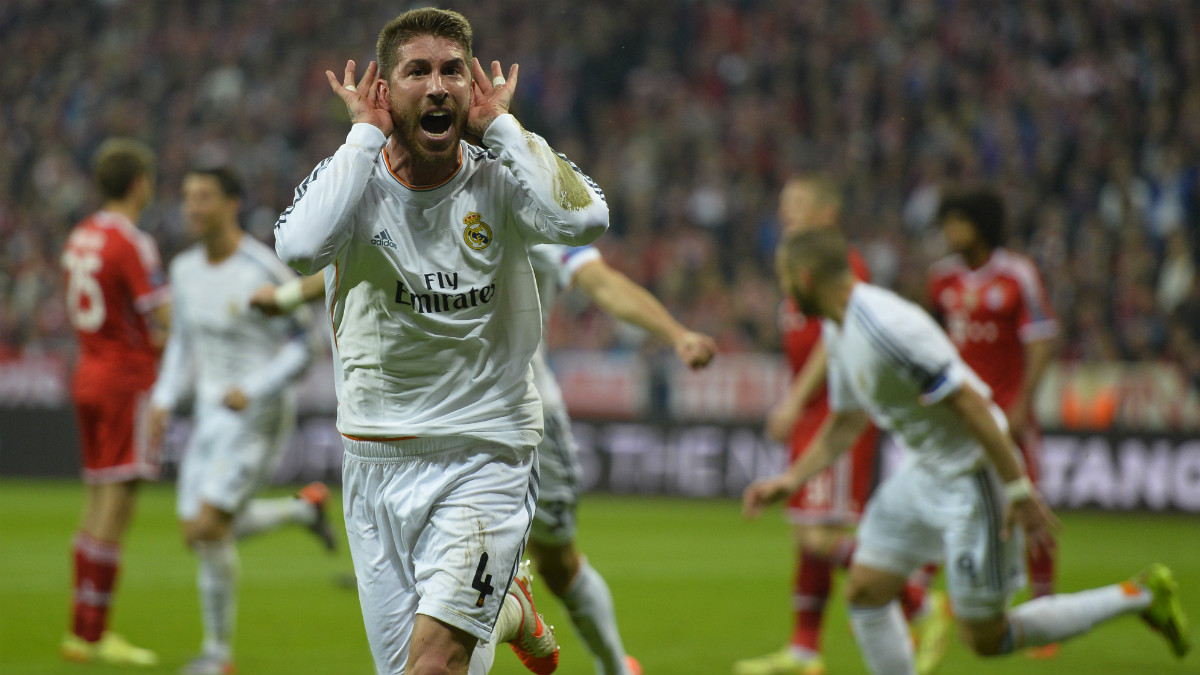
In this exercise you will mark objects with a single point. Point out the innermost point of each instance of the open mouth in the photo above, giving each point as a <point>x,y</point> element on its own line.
<point>436,123</point>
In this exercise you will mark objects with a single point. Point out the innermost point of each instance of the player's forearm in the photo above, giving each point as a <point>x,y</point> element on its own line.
<point>811,376</point>
<point>976,413</point>
<point>567,206</point>
<point>1038,354</point>
<point>836,436</point>
<point>618,296</point>
<point>285,367</point>
<point>310,232</point>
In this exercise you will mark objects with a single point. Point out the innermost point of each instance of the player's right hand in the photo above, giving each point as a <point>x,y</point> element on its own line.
<point>764,492</point>
<point>1035,518</point>
<point>367,101</point>
<point>696,349</point>
<point>264,301</point>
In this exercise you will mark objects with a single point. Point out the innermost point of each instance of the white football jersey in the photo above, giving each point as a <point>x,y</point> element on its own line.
<point>891,359</point>
<point>432,297</point>
<point>554,268</point>
<point>214,328</point>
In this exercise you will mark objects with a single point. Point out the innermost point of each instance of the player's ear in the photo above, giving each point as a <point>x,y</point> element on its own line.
<point>383,98</point>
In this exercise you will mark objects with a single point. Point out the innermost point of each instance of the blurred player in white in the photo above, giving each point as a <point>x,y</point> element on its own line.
<point>994,307</point>
<point>580,588</point>
<point>824,511</point>
<point>959,492</point>
<point>424,240</point>
<point>244,364</point>
<point>118,304</point>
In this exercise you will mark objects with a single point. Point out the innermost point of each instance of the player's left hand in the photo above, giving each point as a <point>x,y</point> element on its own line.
<point>235,399</point>
<point>264,301</point>
<point>696,349</point>
<point>1035,518</point>
<point>491,96</point>
<point>764,492</point>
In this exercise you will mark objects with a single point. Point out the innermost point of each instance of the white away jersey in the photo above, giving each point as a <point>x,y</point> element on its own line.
<point>231,344</point>
<point>890,358</point>
<point>432,298</point>
<point>554,268</point>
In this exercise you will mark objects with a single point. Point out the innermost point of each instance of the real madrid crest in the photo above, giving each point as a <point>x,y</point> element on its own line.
<point>477,233</point>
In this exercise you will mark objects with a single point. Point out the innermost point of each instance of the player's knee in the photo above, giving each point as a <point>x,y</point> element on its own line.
<point>204,530</point>
<point>985,639</point>
<point>865,595</point>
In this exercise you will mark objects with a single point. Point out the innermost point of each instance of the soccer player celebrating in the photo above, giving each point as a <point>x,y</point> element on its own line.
<point>244,408</point>
<point>435,319</point>
<point>824,511</point>
<point>118,304</point>
<point>580,588</point>
<point>960,491</point>
<point>994,308</point>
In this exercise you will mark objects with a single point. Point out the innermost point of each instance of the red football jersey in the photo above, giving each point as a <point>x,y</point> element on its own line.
<point>114,276</point>
<point>989,314</point>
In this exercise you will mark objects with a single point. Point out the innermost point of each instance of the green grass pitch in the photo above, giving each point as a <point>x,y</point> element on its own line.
<point>695,587</point>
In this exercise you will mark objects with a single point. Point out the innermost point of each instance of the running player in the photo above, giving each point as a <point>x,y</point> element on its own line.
<point>824,511</point>
<point>578,586</point>
<point>117,302</point>
<point>435,319</point>
<point>244,364</point>
<point>960,490</point>
<point>994,308</point>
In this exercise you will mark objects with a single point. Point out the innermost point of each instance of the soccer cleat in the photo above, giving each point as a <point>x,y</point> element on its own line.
<point>317,494</point>
<point>632,666</point>
<point>111,648</point>
<point>1165,613</point>
<point>782,662</point>
<point>208,664</point>
<point>535,644</point>
<point>930,633</point>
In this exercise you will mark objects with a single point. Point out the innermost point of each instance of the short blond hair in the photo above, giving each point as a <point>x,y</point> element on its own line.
<point>118,163</point>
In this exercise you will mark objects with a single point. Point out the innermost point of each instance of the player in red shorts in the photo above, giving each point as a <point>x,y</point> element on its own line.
<point>117,303</point>
<point>995,310</point>
<point>823,512</point>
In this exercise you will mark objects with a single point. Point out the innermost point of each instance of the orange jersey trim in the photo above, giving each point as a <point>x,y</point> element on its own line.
<point>387,162</point>
<point>382,440</point>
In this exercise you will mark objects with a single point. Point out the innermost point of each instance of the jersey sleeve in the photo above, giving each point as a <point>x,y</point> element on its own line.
<point>573,259</point>
<point>140,269</point>
<point>310,232</point>
<point>1036,320</point>
<point>553,201</point>
<point>918,349</point>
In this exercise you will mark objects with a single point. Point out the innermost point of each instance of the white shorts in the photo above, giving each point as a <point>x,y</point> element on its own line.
<point>916,517</point>
<point>436,527</point>
<point>231,454</point>
<point>558,487</point>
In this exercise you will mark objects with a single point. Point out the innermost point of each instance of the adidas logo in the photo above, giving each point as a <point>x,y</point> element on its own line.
<point>383,239</point>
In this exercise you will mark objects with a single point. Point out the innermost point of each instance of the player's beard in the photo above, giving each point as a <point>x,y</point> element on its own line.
<point>407,129</point>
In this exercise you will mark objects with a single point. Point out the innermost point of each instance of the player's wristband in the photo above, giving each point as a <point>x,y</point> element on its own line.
<point>1018,490</point>
<point>289,296</point>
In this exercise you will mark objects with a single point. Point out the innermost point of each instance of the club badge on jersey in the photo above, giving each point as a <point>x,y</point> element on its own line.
<point>478,234</point>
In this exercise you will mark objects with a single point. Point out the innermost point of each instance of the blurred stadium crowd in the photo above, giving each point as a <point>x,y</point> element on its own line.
<point>689,113</point>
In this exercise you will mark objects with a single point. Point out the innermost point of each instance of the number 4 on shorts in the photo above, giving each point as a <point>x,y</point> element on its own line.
<point>481,583</point>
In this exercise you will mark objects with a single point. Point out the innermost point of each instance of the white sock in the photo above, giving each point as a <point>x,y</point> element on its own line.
<point>263,515</point>
<point>508,624</point>
<point>217,581</point>
<point>883,639</point>
<point>482,657</point>
<point>1053,618</point>
<point>590,606</point>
